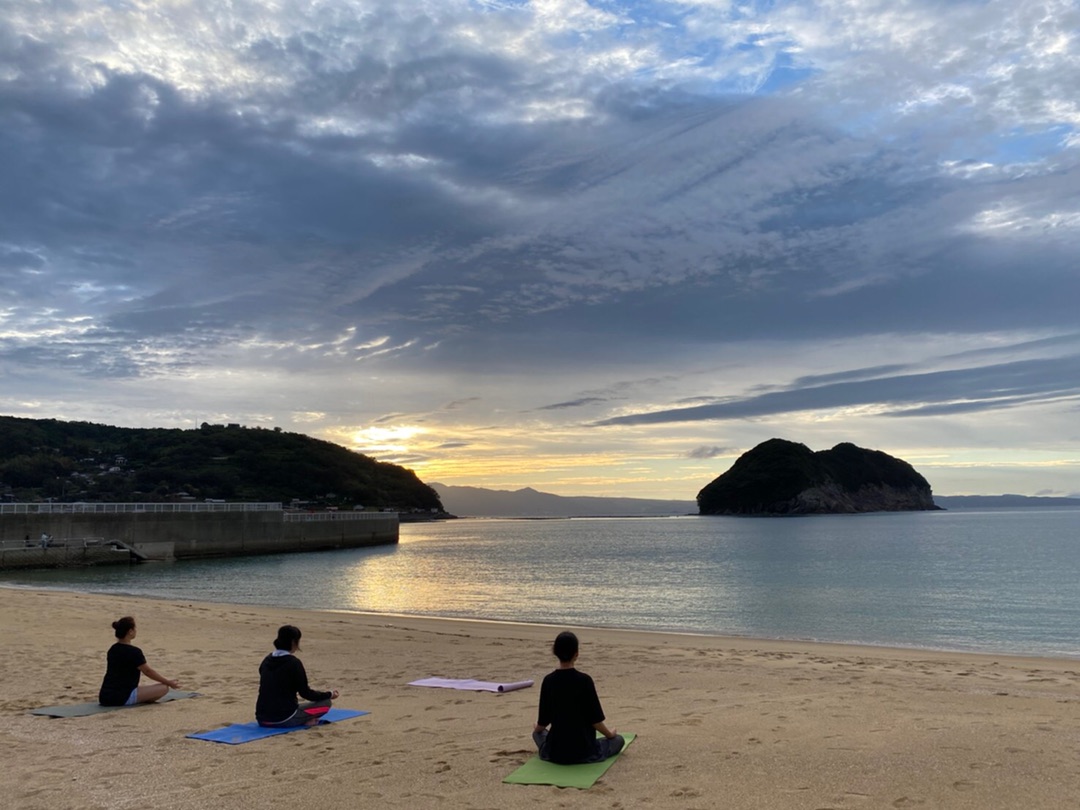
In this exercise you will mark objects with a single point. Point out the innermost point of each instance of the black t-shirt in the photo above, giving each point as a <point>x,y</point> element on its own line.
<point>121,674</point>
<point>281,678</point>
<point>569,704</point>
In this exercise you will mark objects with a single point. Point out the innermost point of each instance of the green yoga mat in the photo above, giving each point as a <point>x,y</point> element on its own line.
<point>538,772</point>
<point>86,709</point>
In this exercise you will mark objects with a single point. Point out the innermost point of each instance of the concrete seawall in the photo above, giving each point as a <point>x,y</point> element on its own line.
<point>174,534</point>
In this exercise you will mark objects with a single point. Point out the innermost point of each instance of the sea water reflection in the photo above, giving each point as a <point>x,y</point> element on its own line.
<point>996,581</point>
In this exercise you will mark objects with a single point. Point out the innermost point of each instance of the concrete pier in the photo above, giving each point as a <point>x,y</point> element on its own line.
<point>167,531</point>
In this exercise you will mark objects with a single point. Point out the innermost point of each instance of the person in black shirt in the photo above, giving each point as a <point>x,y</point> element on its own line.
<point>570,713</point>
<point>281,677</point>
<point>124,664</point>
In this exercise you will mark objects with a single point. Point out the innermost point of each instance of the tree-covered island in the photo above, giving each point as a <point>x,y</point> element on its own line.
<point>80,461</point>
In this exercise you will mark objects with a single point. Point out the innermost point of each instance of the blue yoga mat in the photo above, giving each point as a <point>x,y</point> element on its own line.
<point>246,732</point>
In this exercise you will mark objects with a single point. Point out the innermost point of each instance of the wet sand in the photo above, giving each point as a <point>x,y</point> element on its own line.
<point>722,722</point>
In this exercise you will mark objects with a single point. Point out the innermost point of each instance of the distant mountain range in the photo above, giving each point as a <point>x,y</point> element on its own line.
<point>478,502</point>
<point>1000,501</point>
<point>528,502</point>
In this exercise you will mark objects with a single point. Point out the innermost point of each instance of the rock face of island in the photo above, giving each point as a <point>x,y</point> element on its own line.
<point>779,477</point>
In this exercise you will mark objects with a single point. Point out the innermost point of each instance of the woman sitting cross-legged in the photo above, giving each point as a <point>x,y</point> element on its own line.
<point>125,663</point>
<point>281,678</point>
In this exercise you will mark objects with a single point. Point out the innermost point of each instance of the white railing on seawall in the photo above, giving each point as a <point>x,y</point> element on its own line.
<point>68,542</point>
<point>313,517</point>
<point>121,508</point>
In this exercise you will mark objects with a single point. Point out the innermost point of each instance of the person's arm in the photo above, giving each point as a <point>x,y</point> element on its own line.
<point>152,674</point>
<point>305,691</point>
<point>598,711</point>
<point>603,729</point>
<point>543,711</point>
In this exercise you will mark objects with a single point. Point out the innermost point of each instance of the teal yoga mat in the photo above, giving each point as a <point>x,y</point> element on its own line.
<point>538,772</point>
<point>86,709</point>
<point>240,733</point>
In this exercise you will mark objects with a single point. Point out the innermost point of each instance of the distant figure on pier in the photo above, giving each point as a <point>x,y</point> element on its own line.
<point>45,538</point>
<point>281,677</point>
<point>126,663</point>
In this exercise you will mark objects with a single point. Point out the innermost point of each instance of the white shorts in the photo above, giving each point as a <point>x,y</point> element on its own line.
<point>133,698</point>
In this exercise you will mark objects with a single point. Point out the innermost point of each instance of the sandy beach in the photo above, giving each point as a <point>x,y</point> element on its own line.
<point>722,722</point>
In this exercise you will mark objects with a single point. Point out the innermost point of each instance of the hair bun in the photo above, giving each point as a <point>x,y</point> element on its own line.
<point>287,636</point>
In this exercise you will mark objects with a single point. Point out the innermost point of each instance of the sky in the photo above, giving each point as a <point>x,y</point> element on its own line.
<point>595,248</point>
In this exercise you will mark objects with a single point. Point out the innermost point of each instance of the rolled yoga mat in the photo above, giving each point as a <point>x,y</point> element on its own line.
<point>470,685</point>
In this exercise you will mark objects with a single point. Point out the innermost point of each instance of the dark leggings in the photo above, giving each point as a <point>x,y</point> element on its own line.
<point>304,714</point>
<point>604,747</point>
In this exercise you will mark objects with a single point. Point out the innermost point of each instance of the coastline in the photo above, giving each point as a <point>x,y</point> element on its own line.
<point>734,639</point>
<point>867,584</point>
<point>756,723</point>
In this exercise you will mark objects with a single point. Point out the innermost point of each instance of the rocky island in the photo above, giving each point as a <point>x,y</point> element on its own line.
<point>780,477</point>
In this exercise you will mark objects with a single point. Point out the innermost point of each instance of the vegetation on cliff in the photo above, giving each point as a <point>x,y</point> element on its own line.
<point>780,477</point>
<point>81,461</point>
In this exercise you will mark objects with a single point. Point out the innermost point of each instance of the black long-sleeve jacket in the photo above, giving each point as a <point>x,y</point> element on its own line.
<point>281,679</point>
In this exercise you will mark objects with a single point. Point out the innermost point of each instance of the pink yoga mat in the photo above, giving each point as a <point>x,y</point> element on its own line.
<point>470,685</point>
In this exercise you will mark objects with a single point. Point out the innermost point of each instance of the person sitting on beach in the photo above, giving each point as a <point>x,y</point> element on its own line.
<point>570,706</point>
<point>281,677</point>
<point>125,663</point>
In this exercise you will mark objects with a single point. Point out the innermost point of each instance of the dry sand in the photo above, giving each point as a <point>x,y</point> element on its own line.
<point>723,723</point>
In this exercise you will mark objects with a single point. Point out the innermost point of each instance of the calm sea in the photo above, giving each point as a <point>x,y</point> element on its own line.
<point>994,581</point>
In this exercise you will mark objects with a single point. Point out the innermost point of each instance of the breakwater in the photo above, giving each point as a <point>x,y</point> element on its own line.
<point>175,531</point>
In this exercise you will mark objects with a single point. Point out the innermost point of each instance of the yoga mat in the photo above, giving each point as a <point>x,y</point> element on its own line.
<point>240,733</point>
<point>538,772</point>
<point>469,685</point>
<point>86,709</point>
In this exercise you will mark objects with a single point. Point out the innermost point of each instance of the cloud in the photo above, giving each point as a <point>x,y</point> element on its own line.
<point>364,210</point>
<point>574,403</point>
<point>714,451</point>
<point>970,389</point>
<point>460,403</point>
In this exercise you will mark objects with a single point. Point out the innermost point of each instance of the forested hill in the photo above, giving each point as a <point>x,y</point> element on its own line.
<point>780,477</point>
<point>81,461</point>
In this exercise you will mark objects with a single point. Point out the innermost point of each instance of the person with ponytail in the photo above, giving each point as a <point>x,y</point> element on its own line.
<point>125,663</point>
<point>281,678</point>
